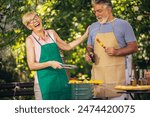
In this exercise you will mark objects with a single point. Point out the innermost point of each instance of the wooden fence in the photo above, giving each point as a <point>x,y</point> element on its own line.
<point>16,89</point>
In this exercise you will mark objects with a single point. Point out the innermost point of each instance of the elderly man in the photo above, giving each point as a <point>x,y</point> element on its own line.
<point>110,39</point>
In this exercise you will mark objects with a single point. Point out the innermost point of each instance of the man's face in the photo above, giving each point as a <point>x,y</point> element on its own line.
<point>102,12</point>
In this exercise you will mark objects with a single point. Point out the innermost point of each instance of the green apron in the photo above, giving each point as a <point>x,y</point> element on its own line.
<point>53,82</point>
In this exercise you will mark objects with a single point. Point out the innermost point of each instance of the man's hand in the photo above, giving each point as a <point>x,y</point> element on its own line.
<point>87,58</point>
<point>90,58</point>
<point>129,49</point>
<point>111,51</point>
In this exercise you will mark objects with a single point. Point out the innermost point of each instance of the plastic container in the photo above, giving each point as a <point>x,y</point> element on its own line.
<point>82,91</point>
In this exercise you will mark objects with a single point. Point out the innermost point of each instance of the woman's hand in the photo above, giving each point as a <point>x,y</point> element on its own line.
<point>87,31</point>
<point>55,64</point>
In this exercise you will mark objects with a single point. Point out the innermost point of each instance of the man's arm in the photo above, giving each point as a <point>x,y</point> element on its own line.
<point>131,48</point>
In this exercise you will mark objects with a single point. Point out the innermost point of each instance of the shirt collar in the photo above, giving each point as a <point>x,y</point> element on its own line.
<point>112,21</point>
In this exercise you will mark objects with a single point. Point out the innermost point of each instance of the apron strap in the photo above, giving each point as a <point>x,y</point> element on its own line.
<point>51,38</point>
<point>37,41</point>
<point>40,43</point>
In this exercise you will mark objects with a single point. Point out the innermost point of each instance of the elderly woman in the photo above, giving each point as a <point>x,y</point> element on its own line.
<point>43,56</point>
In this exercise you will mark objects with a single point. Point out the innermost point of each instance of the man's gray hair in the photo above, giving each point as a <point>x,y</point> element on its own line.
<point>107,2</point>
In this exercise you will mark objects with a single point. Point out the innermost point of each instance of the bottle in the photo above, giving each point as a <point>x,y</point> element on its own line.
<point>141,79</point>
<point>133,79</point>
<point>145,77</point>
<point>91,54</point>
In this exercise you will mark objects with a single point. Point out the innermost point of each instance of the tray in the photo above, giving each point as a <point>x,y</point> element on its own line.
<point>85,82</point>
<point>133,88</point>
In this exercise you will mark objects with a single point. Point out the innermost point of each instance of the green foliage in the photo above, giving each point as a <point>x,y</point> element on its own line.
<point>137,12</point>
<point>7,73</point>
<point>69,19</point>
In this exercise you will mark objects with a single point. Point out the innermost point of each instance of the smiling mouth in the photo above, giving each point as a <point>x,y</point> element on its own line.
<point>36,24</point>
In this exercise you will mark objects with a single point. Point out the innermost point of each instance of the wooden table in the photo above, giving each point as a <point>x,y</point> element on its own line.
<point>131,90</point>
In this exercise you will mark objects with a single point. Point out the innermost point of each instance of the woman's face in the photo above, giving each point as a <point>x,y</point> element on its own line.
<point>35,22</point>
<point>102,12</point>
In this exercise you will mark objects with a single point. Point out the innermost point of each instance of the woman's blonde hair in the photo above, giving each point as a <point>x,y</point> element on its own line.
<point>27,17</point>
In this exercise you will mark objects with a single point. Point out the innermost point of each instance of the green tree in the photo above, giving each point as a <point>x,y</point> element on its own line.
<point>137,12</point>
<point>69,18</point>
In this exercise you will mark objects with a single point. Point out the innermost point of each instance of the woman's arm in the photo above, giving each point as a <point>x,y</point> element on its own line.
<point>33,65</point>
<point>68,46</point>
